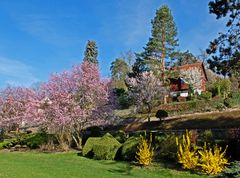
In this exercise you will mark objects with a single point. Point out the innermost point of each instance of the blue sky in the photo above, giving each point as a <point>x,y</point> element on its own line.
<point>40,37</point>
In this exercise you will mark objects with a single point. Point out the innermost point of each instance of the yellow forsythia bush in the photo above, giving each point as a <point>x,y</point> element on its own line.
<point>144,154</point>
<point>212,161</point>
<point>187,153</point>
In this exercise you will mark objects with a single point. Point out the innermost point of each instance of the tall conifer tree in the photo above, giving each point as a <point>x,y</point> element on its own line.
<point>91,52</point>
<point>162,42</point>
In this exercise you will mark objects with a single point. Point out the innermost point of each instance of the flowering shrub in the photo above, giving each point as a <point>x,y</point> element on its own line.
<point>212,161</point>
<point>65,105</point>
<point>187,153</point>
<point>145,152</point>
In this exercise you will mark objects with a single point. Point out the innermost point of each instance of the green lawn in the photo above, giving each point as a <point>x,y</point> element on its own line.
<point>69,165</point>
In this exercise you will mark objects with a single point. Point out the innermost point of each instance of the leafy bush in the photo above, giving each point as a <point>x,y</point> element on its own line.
<point>233,171</point>
<point>197,105</point>
<point>222,87</point>
<point>212,161</point>
<point>15,139</point>
<point>228,102</point>
<point>236,98</point>
<point>8,143</point>
<point>33,141</point>
<point>145,152</point>
<point>36,140</point>
<point>207,95</point>
<point>165,147</point>
<point>87,150</point>
<point>207,136</point>
<point>129,148</point>
<point>161,114</point>
<point>220,106</point>
<point>187,152</point>
<point>120,136</point>
<point>106,148</point>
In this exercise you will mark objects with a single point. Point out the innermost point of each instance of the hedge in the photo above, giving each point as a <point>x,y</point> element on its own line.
<point>105,147</point>
<point>129,148</point>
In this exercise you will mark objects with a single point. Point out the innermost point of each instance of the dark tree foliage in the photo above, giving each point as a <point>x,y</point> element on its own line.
<point>225,49</point>
<point>91,52</point>
<point>183,58</point>
<point>119,70</point>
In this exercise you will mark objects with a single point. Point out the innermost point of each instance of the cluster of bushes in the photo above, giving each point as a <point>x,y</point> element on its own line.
<point>207,157</point>
<point>30,140</point>
<point>107,147</point>
<point>210,160</point>
<point>205,102</point>
<point>111,147</point>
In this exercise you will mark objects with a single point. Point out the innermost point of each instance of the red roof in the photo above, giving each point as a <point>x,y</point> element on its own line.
<point>193,65</point>
<point>180,84</point>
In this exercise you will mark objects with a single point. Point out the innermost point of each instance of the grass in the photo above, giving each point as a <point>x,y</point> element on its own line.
<point>69,165</point>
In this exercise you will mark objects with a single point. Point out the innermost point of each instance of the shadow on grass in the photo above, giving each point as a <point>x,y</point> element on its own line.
<point>79,154</point>
<point>225,119</point>
<point>193,123</point>
<point>119,167</point>
<point>173,165</point>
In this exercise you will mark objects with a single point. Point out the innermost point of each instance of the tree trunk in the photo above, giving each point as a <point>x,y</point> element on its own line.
<point>149,114</point>
<point>163,54</point>
<point>78,142</point>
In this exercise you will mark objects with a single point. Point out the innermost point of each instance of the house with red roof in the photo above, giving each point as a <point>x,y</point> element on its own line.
<point>191,77</point>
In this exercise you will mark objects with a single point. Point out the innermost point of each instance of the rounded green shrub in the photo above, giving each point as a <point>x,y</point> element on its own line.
<point>87,150</point>
<point>106,148</point>
<point>161,114</point>
<point>129,148</point>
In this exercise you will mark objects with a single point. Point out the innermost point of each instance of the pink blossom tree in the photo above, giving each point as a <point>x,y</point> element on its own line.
<point>74,100</point>
<point>145,90</point>
<point>68,103</point>
<point>14,106</point>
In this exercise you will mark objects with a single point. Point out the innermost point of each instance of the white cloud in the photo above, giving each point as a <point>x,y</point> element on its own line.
<point>15,72</point>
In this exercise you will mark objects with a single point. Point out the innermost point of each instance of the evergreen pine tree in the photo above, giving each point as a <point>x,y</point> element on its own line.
<point>91,52</point>
<point>119,71</point>
<point>163,41</point>
<point>225,49</point>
